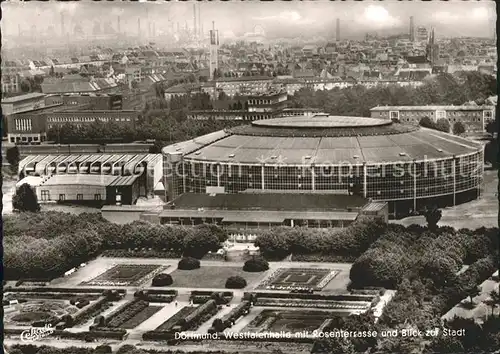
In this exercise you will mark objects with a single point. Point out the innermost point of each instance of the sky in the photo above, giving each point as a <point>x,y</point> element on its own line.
<point>275,19</point>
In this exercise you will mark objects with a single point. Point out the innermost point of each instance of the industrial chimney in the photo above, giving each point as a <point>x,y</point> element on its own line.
<point>337,33</point>
<point>412,30</point>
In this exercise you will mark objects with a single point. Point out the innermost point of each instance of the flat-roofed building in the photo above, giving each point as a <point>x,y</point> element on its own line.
<point>473,117</point>
<point>256,209</point>
<point>98,189</point>
<point>23,103</point>
<point>147,167</point>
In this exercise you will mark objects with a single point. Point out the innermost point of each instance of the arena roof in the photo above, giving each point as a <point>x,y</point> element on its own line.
<point>321,121</point>
<point>431,108</point>
<point>257,144</point>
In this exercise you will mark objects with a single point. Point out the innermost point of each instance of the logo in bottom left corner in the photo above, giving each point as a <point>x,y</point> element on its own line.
<point>36,333</point>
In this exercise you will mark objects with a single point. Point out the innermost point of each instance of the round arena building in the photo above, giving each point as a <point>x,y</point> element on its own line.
<point>409,167</point>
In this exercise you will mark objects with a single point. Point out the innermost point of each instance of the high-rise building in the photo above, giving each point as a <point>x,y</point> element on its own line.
<point>214,51</point>
<point>337,32</point>
<point>412,29</point>
<point>422,34</point>
<point>195,25</point>
<point>63,31</point>
<point>432,48</point>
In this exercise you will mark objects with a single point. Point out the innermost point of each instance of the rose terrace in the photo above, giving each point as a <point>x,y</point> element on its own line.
<point>298,278</point>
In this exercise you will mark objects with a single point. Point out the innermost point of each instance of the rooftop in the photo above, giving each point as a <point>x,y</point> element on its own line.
<point>270,201</point>
<point>321,121</point>
<point>25,97</point>
<point>432,108</point>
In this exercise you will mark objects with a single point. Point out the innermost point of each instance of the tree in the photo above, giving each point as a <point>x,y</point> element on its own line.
<point>13,158</point>
<point>188,263</point>
<point>25,199</point>
<point>432,217</point>
<point>162,280</point>
<point>493,300</point>
<point>458,128</point>
<point>334,345</point>
<point>236,282</point>
<point>443,125</point>
<point>256,264</point>
<point>473,292</point>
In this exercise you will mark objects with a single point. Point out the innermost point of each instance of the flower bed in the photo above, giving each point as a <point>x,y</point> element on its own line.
<point>141,317</point>
<point>126,275</point>
<point>312,304</point>
<point>126,313</point>
<point>298,278</point>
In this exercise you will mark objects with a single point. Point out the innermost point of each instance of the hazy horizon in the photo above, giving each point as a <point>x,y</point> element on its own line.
<point>276,19</point>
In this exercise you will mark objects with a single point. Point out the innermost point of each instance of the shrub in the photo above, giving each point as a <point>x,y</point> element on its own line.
<point>82,303</point>
<point>103,349</point>
<point>162,280</point>
<point>236,282</point>
<point>188,263</point>
<point>256,264</point>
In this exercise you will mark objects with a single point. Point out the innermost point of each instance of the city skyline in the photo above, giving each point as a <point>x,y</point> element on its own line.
<point>278,20</point>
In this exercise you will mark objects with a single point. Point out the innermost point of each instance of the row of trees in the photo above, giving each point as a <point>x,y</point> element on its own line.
<point>47,244</point>
<point>444,89</point>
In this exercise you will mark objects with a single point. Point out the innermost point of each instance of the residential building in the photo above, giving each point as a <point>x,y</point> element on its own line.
<point>473,117</point>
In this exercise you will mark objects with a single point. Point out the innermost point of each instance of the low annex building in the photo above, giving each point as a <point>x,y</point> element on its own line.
<point>255,209</point>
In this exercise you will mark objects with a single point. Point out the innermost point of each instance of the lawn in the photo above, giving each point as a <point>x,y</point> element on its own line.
<point>125,275</point>
<point>210,277</point>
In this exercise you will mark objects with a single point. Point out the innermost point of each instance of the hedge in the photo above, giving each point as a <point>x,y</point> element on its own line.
<point>236,282</point>
<point>236,313</point>
<point>188,263</point>
<point>257,264</point>
<point>162,280</point>
<point>62,290</point>
<point>273,295</point>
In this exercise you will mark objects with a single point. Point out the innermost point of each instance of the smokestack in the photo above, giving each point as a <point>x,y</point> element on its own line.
<point>200,27</point>
<point>62,24</point>
<point>154,29</point>
<point>118,25</point>
<point>139,26</point>
<point>178,27</point>
<point>337,32</point>
<point>213,25</point>
<point>412,29</point>
<point>195,28</point>
<point>19,31</point>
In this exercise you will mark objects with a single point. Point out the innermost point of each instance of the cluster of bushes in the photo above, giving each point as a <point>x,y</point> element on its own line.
<point>236,282</point>
<point>435,256</point>
<point>256,264</point>
<point>221,298</point>
<point>484,338</point>
<point>345,244</point>
<point>166,296</point>
<point>47,244</point>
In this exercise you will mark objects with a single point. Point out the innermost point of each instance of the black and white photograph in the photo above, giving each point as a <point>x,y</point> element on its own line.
<point>250,177</point>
